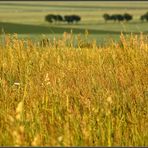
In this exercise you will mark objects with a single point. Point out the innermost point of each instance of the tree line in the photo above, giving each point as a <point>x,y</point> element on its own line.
<point>117,17</point>
<point>123,17</point>
<point>52,18</point>
<point>59,18</point>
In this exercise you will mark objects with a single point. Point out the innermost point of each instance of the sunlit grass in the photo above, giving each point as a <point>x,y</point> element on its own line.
<point>61,95</point>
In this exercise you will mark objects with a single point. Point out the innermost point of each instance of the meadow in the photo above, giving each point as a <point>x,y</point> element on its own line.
<point>27,19</point>
<point>87,86</point>
<point>61,95</point>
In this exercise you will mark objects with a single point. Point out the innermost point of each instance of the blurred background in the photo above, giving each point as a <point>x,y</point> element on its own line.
<point>102,20</point>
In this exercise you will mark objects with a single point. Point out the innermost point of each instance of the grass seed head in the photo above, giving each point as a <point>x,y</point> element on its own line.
<point>60,139</point>
<point>36,141</point>
<point>19,108</point>
<point>109,100</point>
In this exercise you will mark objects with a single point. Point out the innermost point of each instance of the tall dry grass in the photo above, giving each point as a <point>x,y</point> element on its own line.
<point>61,95</point>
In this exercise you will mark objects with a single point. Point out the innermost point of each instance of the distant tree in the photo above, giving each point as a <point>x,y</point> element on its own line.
<point>114,17</point>
<point>53,18</point>
<point>72,18</point>
<point>68,19</point>
<point>106,17</point>
<point>117,17</point>
<point>49,18</point>
<point>120,17</point>
<point>127,17</point>
<point>59,18</point>
<point>76,18</point>
<point>144,17</point>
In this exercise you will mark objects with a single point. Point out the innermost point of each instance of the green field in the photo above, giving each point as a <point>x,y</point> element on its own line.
<point>27,18</point>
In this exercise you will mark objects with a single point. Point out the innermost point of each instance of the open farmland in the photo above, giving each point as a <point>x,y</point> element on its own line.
<point>27,18</point>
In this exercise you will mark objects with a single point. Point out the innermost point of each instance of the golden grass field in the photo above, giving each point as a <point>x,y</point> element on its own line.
<point>66,95</point>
